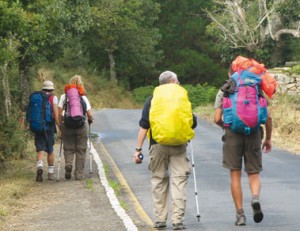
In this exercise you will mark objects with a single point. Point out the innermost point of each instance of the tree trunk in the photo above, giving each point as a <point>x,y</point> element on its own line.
<point>24,82</point>
<point>112,65</point>
<point>6,90</point>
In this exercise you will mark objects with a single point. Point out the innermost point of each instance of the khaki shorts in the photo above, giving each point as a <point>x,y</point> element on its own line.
<point>239,147</point>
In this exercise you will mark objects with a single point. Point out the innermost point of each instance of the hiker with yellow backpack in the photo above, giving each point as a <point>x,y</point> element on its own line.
<point>168,120</point>
<point>240,109</point>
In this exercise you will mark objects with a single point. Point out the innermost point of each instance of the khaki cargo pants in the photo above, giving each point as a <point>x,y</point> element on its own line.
<point>75,143</point>
<point>170,170</point>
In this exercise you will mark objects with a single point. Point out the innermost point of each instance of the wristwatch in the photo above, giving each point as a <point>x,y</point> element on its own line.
<point>138,149</point>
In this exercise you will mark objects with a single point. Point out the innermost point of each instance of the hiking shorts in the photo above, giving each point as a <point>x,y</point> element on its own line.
<point>239,147</point>
<point>44,141</point>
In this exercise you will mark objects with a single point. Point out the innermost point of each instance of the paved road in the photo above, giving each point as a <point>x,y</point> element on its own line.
<point>280,199</point>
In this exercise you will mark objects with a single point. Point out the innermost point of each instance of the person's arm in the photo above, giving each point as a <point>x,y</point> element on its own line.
<point>218,117</point>
<point>144,126</point>
<point>88,110</point>
<point>267,145</point>
<point>90,116</point>
<point>55,111</point>
<point>141,137</point>
<point>194,121</point>
<point>60,109</point>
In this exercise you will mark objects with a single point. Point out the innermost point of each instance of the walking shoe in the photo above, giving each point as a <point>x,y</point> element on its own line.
<point>39,175</point>
<point>240,220</point>
<point>68,169</point>
<point>79,177</point>
<point>178,226</point>
<point>50,176</point>
<point>258,216</point>
<point>160,225</point>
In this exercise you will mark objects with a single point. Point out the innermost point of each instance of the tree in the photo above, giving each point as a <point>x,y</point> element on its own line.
<point>187,49</point>
<point>253,25</point>
<point>50,25</point>
<point>12,20</point>
<point>122,37</point>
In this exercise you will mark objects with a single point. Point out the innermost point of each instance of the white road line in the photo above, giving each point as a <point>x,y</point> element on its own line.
<point>130,226</point>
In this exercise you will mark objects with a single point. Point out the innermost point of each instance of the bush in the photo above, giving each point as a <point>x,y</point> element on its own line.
<point>201,95</point>
<point>13,138</point>
<point>296,69</point>
<point>142,93</point>
<point>198,95</point>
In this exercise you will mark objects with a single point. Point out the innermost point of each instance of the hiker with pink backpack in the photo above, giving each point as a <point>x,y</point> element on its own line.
<point>74,109</point>
<point>241,109</point>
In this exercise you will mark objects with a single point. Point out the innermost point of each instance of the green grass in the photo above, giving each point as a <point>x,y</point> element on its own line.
<point>15,183</point>
<point>89,184</point>
<point>205,112</point>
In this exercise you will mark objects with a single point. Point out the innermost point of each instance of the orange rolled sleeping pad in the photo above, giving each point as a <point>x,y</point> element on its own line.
<point>268,83</point>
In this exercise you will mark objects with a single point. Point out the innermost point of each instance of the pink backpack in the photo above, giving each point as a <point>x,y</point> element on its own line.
<point>75,109</point>
<point>244,107</point>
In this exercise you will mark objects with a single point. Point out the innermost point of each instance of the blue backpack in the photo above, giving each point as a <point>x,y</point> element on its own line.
<point>244,107</point>
<point>39,112</point>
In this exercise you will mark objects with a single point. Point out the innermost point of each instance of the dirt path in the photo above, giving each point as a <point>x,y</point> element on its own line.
<point>66,205</point>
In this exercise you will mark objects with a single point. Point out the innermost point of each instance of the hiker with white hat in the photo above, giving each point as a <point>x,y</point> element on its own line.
<point>42,115</point>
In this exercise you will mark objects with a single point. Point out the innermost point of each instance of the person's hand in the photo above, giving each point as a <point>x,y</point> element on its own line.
<point>90,120</point>
<point>267,146</point>
<point>136,158</point>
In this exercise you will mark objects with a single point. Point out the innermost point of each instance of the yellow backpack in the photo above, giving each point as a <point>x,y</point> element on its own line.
<point>171,116</point>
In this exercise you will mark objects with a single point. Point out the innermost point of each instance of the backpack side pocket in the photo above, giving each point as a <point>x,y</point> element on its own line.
<point>227,112</point>
<point>263,112</point>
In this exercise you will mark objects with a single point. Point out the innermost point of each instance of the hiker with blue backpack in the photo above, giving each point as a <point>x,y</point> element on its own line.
<point>74,110</point>
<point>42,116</point>
<point>168,120</point>
<point>240,109</point>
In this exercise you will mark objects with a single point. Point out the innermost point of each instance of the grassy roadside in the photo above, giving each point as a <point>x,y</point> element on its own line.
<point>15,182</point>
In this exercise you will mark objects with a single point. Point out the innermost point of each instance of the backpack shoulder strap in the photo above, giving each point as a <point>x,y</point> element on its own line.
<point>51,100</point>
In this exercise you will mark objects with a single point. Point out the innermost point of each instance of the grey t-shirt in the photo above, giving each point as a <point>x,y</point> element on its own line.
<point>219,100</point>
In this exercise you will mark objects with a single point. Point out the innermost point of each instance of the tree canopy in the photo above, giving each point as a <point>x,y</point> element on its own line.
<point>258,28</point>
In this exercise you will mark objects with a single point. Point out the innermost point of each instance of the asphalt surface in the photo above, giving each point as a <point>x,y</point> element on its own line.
<point>117,131</point>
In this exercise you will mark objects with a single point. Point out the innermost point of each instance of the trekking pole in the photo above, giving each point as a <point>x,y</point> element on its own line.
<point>195,183</point>
<point>59,158</point>
<point>90,141</point>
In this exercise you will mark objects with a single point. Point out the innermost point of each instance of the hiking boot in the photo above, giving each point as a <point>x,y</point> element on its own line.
<point>79,177</point>
<point>39,175</point>
<point>178,226</point>
<point>257,213</point>
<point>160,225</point>
<point>50,176</point>
<point>240,220</point>
<point>68,169</point>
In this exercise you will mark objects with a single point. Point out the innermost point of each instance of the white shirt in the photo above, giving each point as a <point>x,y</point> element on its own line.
<point>63,98</point>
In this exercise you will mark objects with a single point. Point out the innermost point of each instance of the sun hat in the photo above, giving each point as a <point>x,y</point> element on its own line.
<point>48,85</point>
